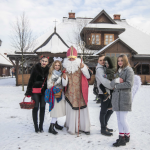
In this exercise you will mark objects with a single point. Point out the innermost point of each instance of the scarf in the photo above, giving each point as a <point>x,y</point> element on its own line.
<point>56,74</point>
<point>50,97</point>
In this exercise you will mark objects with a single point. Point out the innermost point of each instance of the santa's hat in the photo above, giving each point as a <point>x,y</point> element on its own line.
<point>72,52</point>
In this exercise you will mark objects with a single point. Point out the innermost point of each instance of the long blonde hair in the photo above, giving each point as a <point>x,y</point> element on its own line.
<point>125,61</point>
<point>52,68</point>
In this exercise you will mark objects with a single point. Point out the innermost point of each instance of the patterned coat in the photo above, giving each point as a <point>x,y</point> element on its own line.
<point>122,96</point>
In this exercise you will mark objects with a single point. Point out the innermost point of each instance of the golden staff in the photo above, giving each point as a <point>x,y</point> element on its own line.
<point>80,97</point>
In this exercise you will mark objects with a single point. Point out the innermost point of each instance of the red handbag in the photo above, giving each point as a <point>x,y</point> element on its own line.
<point>38,90</point>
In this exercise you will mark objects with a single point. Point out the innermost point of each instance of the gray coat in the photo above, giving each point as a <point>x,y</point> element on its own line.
<point>121,96</point>
<point>101,80</point>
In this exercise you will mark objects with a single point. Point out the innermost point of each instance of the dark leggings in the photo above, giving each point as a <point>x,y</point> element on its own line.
<point>104,113</point>
<point>39,100</point>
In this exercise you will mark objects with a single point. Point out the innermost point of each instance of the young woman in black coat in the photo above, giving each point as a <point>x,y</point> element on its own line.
<point>37,79</point>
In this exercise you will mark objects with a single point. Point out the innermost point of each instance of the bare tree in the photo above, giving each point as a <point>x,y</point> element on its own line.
<point>78,42</point>
<point>22,38</point>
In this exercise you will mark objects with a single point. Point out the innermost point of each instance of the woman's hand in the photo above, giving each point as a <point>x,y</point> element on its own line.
<point>121,80</point>
<point>64,75</point>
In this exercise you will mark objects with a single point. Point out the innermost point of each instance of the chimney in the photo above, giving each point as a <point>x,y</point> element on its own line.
<point>117,17</point>
<point>71,15</point>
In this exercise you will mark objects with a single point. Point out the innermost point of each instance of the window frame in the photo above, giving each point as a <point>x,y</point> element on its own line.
<point>95,38</point>
<point>108,38</point>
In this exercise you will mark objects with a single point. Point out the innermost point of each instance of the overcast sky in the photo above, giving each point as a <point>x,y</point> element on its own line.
<point>42,13</point>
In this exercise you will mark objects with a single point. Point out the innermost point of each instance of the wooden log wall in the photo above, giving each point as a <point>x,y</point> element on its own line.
<point>145,78</point>
<point>25,77</point>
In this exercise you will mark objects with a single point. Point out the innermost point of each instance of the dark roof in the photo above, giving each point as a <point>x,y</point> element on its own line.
<point>103,12</point>
<point>141,56</point>
<point>49,38</point>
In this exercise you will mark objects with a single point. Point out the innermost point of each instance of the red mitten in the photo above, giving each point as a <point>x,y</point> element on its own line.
<point>63,71</point>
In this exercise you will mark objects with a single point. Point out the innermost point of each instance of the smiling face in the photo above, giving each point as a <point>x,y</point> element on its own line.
<point>101,60</point>
<point>44,62</point>
<point>57,66</point>
<point>120,62</point>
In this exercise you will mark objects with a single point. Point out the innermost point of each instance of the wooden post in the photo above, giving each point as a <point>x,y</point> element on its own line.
<point>141,68</point>
<point>149,69</point>
<point>0,71</point>
<point>27,70</point>
<point>17,71</point>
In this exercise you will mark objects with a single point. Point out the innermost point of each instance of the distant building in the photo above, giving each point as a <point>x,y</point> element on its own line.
<point>102,35</point>
<point>5,66</point>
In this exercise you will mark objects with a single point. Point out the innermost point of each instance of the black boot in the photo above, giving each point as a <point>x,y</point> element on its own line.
<point>105,132</point>
<point>120,142</point>
<point>57,126</point>
<point>87,133</point>
<point>98,101</point>
<point>42,114</point>
<point>51,129</point>
<point>109,130</point>
<point>127,138</point>
<point>34,116</point>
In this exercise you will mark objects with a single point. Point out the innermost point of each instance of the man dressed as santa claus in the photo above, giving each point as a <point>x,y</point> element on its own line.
<point>76,93</point>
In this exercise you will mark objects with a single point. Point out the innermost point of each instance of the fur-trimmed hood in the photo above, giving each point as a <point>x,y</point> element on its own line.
<point>110,62</point>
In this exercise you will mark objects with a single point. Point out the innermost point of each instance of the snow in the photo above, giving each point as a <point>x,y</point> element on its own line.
<point>4,60</point>
<point>68,30</point>
<point>104,26</point>
<point>133,38</point>
<point>55,45</point>
<point>136,39</point>
<point>17,131</point>
<point>105,47</point>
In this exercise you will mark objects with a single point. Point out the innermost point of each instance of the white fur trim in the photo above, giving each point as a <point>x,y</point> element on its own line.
<point>71,66</point>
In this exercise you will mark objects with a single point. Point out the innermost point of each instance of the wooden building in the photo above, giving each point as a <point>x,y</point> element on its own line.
<point>101,35</point>
<point>5,66</point>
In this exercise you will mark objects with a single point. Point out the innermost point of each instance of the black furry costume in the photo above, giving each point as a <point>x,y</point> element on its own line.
<point>38,74</point>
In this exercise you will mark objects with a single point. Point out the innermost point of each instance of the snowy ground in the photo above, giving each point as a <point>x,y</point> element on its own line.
<point>17,132</point>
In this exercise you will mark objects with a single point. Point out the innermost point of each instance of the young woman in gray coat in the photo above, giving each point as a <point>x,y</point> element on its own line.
<point>122,98</point>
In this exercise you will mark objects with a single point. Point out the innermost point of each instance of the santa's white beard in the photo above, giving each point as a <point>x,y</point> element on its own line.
<point>71,66</point>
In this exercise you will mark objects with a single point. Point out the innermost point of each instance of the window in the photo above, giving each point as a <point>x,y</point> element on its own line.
<point>107,54</point>
<point>143,69</point>
<point>108,38</point>
<point>116,54</point>
<point>95,39</point>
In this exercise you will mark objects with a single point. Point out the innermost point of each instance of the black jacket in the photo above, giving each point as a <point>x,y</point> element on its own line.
<point>38,75</point>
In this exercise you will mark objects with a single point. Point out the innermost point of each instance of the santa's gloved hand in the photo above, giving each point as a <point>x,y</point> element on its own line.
<point>105,76</point>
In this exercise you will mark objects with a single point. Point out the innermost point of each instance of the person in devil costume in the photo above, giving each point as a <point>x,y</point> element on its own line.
<point>38,79</point>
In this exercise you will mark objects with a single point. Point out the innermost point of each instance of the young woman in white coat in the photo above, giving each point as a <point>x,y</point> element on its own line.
<point>122,98</point>
<point>59,110</point>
